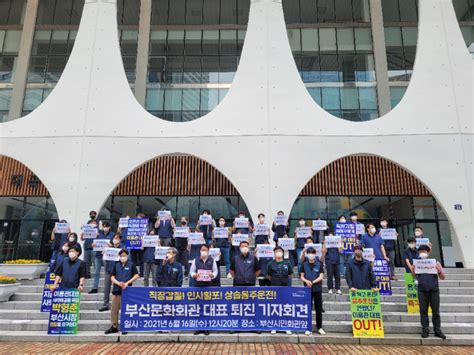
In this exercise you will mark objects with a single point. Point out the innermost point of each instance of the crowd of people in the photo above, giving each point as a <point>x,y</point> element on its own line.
<point>194,264</point>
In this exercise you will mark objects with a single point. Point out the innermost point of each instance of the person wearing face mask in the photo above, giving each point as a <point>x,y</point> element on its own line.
<point>73,242</point>
<point>353,216</point>
<point>420,234</point>
<point>332,268</point>
<point>224,246</point>
<point>165,228</point>
<point>262,238</point>
<point>300,242</point>
<point>60,256</point>
<point>263,264</point>
<point>372,240</point>
<point>242,230</point>
<point>71,272</point>
<point>359,273</point>
<point>88,252</point>
<point>181,245</point>
<point>115,242</point>
<point>428,296</point>
<point>124,274</point>
<point>105,233</point>
<point>281,230</point>
<point>279,272</point>
<point>206,229</point>
<point>58,240</point>
<point>244,267</point>
<point>312,274</point>
<point>170,271</point>
<point>343,258</point>
<point>149,265</point>
<point>390,246</point>
<point>409,254</point>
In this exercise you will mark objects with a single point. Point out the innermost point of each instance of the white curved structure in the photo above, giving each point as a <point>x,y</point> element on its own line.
<point>95,132</point>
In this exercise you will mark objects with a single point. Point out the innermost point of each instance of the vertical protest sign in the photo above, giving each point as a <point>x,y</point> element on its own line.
<point>64,315</point>
<point>347,232</point>
<point>382,276</point>
<point>47,298</point>
<point>366,313</point>
<point>137,229</point>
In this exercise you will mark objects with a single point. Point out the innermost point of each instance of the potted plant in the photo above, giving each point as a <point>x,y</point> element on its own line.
<point>8,287</point>
<point>24,269</point>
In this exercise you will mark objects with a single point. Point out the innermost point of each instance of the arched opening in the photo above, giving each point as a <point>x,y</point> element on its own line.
<point>465,14</point>
<point>27,213</point>
<point>375,187</point>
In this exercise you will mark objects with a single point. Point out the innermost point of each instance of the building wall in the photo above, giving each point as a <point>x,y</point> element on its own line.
<point>267,136</point>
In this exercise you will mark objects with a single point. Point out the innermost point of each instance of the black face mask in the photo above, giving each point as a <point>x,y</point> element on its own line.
<point>183,223</point>
<point>92,216</point>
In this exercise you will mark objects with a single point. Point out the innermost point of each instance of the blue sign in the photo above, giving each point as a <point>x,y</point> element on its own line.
<point>216,308</point>
<point>47,298</point>
<point>347,232</point>
<point>382,277</point>
<point>64,314</point>
<point>137,228</point>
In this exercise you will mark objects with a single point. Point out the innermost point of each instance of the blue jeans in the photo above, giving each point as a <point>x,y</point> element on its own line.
<point>343,260</point>
<point>88,259</point>
<point>98,266</point>
<point>225,251</point>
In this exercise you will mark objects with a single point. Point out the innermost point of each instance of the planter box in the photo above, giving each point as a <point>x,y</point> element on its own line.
<point>23,271</point>
<point>7,290</point>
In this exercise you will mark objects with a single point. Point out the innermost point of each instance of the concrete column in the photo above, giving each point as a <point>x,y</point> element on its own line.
<point>380,57</point>
<point>142,51</point>
<point>23,61</point>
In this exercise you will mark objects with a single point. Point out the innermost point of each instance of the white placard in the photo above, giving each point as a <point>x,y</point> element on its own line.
<point>196,239</point>
<point>111,254</point>
<point>215,253</point>
<point>368,254</point>
<point>425,266</point>
<point>149,241</point>
<point>360,228</point>
<point>100,244</point>
<point>422,241</point>
<point>62,227</point>
<point>241,222</point>
<point>317,247</point>
<point>287,243</point>
<point>89,232</point>
<point>261,229</point>
<point>204,275</point>
<point>320,225</point>
<point>181,232</point>
<point>265,250</point>
<point>237,238</point>
<point>388,233</point>
<point>164,215</point>
<point>221,232</point>
<point>280,220</point>
<point>205,219</point>
<point>160,252</point>
<point>303,232</point>
<point>333,241</point>
<point>123,222</point>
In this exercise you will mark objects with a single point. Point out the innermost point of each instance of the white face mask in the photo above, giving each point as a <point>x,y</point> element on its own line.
<point>123,259</point>
<point>383,224</point>
<point>423,255</point>
<point>221,224</point>
<point>65,249</point>
<point>342,220</point>
<point>244,250</point>
<point>204,253</point>
<point>354,218</point>
<point>278,254</point>
<point>418,233</point>
<point>72,255</point>
<point>311,257</point>
<point>72,239</point>
<point>302,224</point>
<point>412,245</point>
<point>116,242</point>
<point>372,230</point>
<point>106,230</point>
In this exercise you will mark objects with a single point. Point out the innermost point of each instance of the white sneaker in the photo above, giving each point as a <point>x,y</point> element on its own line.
<point>330,292</point>
<point>289,332</point>
<point>321,331</point>
<point>229,275</point>
<point>307,332</point>
<point>339,292</point>
<point>273,332</point>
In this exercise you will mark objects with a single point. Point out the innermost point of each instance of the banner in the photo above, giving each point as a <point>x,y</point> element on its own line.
<point>64,313</point>
<point>196,239</point>
<point>388,233</point>
<point>100,244</point>
<point>303,232</point>
<point>215,253</point>
<point>320,225</point>
<point>89,231</point>
<point>47,298</point>
<point>111,254</point>
<point>368,254</point>
<point>333,241</point>
<point>181,232</point>
<point>413,306</point>
<point>160,252</point>
<point>238,238</point>
<point>137,228</point>
<point>382,277</point>
<point>366,314</point>
<point>422,241</point>
<point>123,222</point>
<point>265,251</point>
<point>216,308</point>
<point>261,229</point>
<point>241,222</point>
<point>280,220</point>
<point>205,219</point>
<point>317,247</point>
<point>221,232</point>
<point>425,266</point>
<point>150,241</point>
<point>287,243</point>
<point>347,232</point>
<point>360,229</point>
<point>62,227</point>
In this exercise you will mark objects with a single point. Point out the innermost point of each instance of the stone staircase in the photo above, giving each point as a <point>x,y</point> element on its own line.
<point>21,319</point>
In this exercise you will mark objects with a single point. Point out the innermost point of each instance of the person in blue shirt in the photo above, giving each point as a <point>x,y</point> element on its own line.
<point>73,242</point>
<point>409,255</point>
<point>71,272</point>
<point>58,240</point>
<point>124,274</point>
<point>372,240</point>
<point>343,258</point>
<point>281,230</point>
<point>165,229</point>
<point>88,252</point>
<point>300,242</point>
<point>261,238</point>
<point>170,272</point>
<point>263,264</point>
<point>312,274</point>
<point>105,233</point>
<point>115,242</point>
<point>359,272</point>
<point>390,246</point>
<point>206,229</point>
<point>149,265</point>
<point>332,268</point>
<point>63,254</point>
<point>181,245</point>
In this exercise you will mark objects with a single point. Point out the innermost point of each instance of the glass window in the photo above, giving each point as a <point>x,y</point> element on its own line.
<point>11,12</point>
<point>368,98</point>
<point>424,208</point>
<point>188,206</point>
<point>124,206</point>
<point>349,98</point>
<point>396,94</point>
<point>5,98</point>
<point>370,207</point>
<point>338,205</point>
<point>331,98</point>
<point>11,207</point>
<point>309,207</point>
<point>402,207</point>
<point>220,206</point>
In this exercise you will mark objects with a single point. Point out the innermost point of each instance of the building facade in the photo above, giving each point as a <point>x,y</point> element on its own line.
<point>314,107</point>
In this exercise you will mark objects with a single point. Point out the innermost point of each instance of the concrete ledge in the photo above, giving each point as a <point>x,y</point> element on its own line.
<point>391,340</point>
<point>149,338</point>
<point>328,339</point>
<point>89,337</point>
